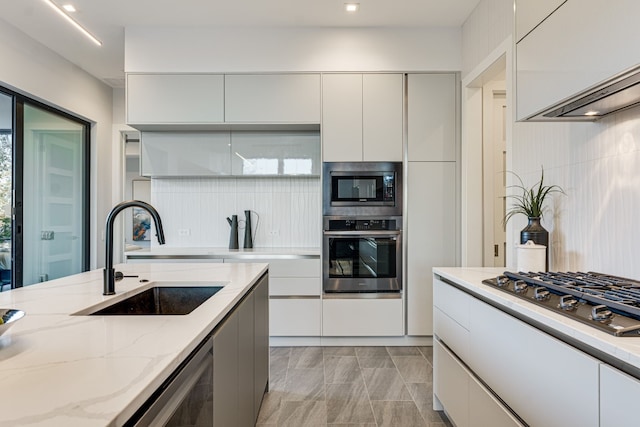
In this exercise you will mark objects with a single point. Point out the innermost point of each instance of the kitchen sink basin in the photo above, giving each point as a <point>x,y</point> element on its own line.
<point>160,300</point>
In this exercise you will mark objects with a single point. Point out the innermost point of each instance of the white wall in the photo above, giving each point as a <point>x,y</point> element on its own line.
<point>485,29</point>
<point>30,68</point>
<point>597,164</point>
<point>250,49</point>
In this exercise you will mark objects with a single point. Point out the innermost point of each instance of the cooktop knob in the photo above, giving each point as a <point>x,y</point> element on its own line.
<point>520,286</point>
<point>601,312</point>
<point>502,280</point>
<point>568,302</point>
<point>541,293</point>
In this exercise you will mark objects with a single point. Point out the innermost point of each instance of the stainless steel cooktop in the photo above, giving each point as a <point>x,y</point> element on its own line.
<point>608,303</point>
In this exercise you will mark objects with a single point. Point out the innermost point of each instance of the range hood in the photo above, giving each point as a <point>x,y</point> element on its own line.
<point>616,94</point>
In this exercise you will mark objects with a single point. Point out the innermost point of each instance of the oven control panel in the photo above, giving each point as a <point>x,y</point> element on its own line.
<point>361,224</point>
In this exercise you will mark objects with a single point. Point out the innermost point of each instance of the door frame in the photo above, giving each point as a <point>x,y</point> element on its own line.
<point>472,217</point>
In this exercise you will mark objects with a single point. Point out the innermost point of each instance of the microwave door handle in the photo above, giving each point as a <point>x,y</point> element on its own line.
<point>363,233</point>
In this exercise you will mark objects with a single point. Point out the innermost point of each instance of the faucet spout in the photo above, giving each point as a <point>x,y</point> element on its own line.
<point>109,271</point>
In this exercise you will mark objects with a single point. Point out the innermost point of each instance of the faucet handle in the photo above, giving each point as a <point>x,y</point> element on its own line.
<point>118,275</point>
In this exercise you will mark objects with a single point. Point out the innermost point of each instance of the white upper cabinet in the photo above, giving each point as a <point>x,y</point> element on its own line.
<point>382,97</point>
<point>154,99</point>
<point>432,115</point>
<point>529,13</point>
<point>165,154</point>
<point>362,117</point>
<point>581,44</point>
<point>279,98</point>
<point>342,117</point>
<point>288,153</point>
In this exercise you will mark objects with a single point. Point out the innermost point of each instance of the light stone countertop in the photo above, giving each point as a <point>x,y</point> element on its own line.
<point>625,351</point>
<point>59,369</point>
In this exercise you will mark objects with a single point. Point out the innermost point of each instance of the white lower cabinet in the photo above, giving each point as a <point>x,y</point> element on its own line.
<point>518,361</point>
<point>619,394</point>
<point>294,296</point>
<point>451,385</point>
<point>353,317</point>
<point>291,317</point>
<point>466,400</point>
<point>513,368</point>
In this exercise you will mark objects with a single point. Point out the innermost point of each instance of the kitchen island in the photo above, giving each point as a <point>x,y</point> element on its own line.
<point>58,368</point>
<point>503,361</point>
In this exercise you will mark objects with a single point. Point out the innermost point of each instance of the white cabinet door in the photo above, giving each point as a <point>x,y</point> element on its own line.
<point>530,13</point>
<point>520,363</point>
<point>581,44</point>
<point>619,393</point>
<point>175,99</point>
<point>430,234</point>
<point>294,317</point>
<point>382,98</point>
<point>277,153</point>
<point>362,317</point>
<point>276,98</point>
<point>431,111</point>
<point>342,117</point>
<point>165,154</point>
<point>362,117</point>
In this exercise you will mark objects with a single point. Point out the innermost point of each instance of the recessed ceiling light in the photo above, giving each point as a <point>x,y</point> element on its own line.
<point>69,8</point>
<point>592,113</point>
<point>73,22</point>
<point>351,7</point>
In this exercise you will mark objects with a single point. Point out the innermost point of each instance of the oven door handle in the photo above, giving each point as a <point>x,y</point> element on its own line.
<point>372,233</point>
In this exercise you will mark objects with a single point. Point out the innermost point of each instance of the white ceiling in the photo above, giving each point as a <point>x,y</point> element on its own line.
<point>107,19</point>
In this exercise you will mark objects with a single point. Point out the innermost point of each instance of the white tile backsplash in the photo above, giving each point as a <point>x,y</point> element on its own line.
<point>593,227</point>
<point>287,211</point>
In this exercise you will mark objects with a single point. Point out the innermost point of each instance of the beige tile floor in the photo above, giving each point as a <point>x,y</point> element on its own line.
<point>350,386</point>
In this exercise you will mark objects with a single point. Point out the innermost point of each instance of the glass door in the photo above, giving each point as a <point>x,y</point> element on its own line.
<point>6,180</point>
<point>53,196</point>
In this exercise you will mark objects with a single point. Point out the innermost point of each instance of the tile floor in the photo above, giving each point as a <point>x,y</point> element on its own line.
<point>350,386</point>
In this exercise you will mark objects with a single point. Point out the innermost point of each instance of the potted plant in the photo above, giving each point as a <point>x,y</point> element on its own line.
<point>530,202</point>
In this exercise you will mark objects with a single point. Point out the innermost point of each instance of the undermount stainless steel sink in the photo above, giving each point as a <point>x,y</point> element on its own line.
<point>158,300</point>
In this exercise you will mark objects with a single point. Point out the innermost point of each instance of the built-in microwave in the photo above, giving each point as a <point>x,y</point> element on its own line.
<point>362,188</point>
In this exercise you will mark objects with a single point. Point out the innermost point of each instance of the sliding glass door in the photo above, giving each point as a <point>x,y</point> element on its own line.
<point>50,194</point>
<point>53,206</point>
<point>6,172</point>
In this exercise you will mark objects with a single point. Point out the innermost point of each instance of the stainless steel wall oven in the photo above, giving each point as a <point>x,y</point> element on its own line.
<point>362,255</point>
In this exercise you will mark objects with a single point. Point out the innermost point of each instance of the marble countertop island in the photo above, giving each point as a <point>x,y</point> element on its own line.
<point>621,352</point>
<point>61,369</point>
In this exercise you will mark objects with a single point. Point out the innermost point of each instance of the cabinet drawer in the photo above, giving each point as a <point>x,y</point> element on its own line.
<point>451,385</point>
<point>451,333</point>
<point>294,286</point>
<point>294,317</point>
<point>452,301</point>
<point>362,317</point>
<point>294,267</point>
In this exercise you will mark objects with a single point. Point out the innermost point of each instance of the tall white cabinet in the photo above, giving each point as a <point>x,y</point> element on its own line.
<point>430,228</point>
<point>362,117</point>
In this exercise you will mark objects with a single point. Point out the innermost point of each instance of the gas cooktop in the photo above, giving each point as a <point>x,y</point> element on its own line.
<point>608,303</point>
